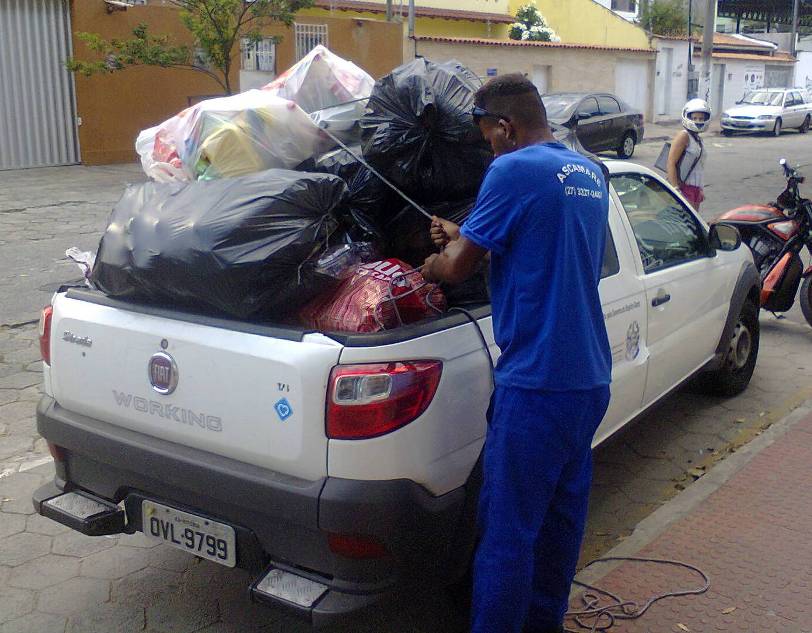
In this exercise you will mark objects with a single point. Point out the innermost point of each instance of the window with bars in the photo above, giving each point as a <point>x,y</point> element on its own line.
<point>259,56</point>
<point>309,36</point>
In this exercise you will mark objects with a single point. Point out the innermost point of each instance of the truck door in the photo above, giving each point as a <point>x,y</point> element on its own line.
<point>624,311</point>
<point>686,290</point>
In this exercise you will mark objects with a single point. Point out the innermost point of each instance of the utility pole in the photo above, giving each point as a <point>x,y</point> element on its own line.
<point>388,10</point>
<point>795,9</point>
<point>709,29</point>
<point>689,69</point>
<point>411,18</point>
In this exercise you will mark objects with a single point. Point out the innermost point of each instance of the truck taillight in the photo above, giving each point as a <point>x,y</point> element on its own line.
<point>365,401</point>
<point>45,333</point>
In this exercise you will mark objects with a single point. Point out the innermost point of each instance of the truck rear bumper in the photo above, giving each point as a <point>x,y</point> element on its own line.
<point>279,521</point>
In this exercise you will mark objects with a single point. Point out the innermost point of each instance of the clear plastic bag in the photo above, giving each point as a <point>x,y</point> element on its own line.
<point>341,261</point>
<point>323,84</point>
<point>228,137</point>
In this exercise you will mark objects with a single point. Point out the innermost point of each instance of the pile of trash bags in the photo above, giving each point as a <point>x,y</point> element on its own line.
<point>256,211</point>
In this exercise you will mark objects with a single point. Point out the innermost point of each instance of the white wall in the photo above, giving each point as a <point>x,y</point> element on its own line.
<point>254,79</point>
<point>803,70</point>
<point>670,107</point>
<point>735,84</point>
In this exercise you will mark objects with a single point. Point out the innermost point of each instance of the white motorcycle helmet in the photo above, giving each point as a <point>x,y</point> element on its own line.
<point>696,105</point>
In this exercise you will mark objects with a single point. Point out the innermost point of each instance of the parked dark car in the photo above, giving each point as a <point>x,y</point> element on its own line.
<point>602,121</point>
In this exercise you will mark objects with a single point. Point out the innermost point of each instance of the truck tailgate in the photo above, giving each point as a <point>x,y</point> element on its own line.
<point>250,397</point>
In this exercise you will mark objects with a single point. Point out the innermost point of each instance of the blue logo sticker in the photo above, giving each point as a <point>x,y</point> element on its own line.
<point>283,409</point>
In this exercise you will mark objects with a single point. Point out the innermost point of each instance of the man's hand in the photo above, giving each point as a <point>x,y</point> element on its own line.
<point>443,231</point>
<point>425,269</point>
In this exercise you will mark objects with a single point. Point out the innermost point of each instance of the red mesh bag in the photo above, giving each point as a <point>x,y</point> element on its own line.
<point>379,296</point>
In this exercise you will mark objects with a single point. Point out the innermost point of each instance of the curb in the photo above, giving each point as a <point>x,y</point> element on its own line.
<point>684,503</point>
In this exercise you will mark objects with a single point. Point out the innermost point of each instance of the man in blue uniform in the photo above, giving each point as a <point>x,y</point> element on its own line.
<point>542,214</point>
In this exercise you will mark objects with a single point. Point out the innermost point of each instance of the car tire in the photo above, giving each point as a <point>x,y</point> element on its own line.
<point>806,299</point>
<point>777,128</point>
<point>627,145</point>
<point>805,125</point>
<point>740,359</point>
<point>727,132</point>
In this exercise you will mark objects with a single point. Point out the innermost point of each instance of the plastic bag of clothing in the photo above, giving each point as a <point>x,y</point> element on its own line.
<point>380,295</point>
<point>229,136</point>
<point>419,133</point>
<point>323,85</point>
<point>245,246</point>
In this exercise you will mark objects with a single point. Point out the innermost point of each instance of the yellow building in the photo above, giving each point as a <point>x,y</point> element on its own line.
<point>451,18</point>
<point>585,22</point>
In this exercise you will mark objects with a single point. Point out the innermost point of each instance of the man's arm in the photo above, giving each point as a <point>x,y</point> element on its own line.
<point>456,263</point>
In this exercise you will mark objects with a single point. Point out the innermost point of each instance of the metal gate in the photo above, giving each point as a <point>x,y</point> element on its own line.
<point>37,99</point>
<point>778,77</point>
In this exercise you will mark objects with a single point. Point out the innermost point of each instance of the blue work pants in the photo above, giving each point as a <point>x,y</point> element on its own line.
<point>533,505</point>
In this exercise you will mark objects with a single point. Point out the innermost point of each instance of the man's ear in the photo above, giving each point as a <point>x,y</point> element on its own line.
<point>506,129</point>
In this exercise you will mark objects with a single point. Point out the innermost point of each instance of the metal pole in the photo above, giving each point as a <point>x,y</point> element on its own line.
<point>795,10</point>
<point>707,51</point>
<point>411,18</point>
<point>388,10</point>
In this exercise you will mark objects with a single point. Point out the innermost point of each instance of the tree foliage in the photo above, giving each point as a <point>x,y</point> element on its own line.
<point>216,27</point>
<point>664,17</point>
<point>531,26</point>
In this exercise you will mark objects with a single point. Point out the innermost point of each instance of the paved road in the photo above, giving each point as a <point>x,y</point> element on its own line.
<point>51,579</point>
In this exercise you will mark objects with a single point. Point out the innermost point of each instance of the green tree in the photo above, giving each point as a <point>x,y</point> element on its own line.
<point>664,17</point>
<point>216,27</point>
<point>531,26</point>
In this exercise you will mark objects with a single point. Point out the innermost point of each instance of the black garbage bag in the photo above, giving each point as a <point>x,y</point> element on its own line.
<point>368,201</point>
<point>244,246</point>
<point>419,133</point>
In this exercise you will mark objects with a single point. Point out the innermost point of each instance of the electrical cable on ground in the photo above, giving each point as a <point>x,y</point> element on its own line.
<point>606,616</point>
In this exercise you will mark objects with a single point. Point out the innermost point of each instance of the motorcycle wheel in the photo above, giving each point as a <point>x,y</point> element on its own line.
<point>806,299</point>
<point>740,359</point>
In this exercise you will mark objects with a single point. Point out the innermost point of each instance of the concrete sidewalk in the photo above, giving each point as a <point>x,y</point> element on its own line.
<point>746,525</point>
<point>666,130</point>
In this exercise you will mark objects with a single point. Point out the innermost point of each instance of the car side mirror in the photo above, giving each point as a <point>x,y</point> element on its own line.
<point>724,237</point>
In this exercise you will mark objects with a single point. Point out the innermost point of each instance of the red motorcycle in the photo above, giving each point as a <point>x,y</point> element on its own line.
<point>776,234</point>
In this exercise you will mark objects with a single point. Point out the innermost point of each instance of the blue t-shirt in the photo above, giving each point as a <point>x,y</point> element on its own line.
<point>542,212</point>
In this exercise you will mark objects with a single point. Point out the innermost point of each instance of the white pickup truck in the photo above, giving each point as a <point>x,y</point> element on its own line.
<point>342,467</point>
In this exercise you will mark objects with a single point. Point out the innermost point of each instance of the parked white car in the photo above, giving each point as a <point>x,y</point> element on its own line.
<point>339,468</point>
<point>769,110</point>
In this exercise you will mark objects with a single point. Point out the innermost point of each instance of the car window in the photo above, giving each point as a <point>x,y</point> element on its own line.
<point>589,107</point>
<point>763,98</point>
<point>797,99</point>
<point>608,105</point>
<point>611,264</point>
<point>666,231</point>
<point>560,106</point>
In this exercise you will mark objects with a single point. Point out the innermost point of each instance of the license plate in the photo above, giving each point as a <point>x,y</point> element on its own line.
<point>197,535</point>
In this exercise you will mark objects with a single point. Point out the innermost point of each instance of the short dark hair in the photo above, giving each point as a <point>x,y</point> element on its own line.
<point>515,96</point>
